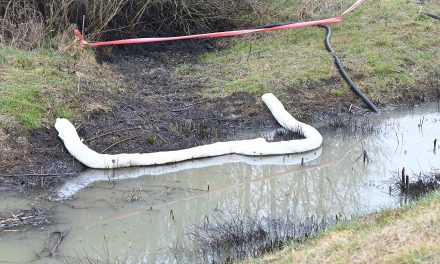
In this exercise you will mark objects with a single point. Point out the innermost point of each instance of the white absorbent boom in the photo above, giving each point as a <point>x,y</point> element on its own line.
<point>254,147</point>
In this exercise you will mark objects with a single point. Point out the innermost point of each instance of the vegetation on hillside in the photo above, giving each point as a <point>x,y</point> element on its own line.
<point>31,23</point>
<point>392,55</point>
<point>43,84</point>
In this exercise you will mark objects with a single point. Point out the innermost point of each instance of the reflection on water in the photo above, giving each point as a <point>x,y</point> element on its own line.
<point>139,215</point>
<point>90,176</point>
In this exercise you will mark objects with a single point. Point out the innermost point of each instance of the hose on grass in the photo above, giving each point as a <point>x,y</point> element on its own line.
<point>327,39</point>
<point>431,15</point>
<point>344,73</point>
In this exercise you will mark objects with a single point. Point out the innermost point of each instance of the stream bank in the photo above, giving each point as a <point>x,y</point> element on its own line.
<point>172,96</point>
<point>158,110</point>
<point>147,214</point>
<point>403,235</point>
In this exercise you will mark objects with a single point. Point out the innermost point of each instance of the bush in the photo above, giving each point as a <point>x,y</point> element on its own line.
<point>28,22</point>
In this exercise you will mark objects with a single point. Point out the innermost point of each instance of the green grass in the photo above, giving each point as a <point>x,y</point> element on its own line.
<point>41,85</point>
<point>267,65</point>
<point>32,84</point>
<point>255,84</point>
<point>385,45</point>
<point>25,105</point>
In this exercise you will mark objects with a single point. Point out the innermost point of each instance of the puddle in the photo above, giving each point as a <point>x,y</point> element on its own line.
<point>139,215</point>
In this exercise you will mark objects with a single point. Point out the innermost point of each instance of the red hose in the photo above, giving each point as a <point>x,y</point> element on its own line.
<point>328,21</point>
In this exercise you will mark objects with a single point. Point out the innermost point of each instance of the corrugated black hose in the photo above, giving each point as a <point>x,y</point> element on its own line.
<point>431,15</point>
<point>339,65</point>
<point>344,74</point>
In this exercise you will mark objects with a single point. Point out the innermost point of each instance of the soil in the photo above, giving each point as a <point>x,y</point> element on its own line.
<point>157,112</point>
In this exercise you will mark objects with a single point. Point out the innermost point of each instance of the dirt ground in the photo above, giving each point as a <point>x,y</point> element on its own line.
<point>156,112</point>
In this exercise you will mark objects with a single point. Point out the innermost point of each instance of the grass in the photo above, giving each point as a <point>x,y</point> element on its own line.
<point>41,85</point>
<point>388,53</point>
<point>31,82</point>
<point>405,235</point>
<point>391,55</point>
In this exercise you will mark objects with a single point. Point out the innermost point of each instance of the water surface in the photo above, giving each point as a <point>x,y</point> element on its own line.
<point>138,215</point>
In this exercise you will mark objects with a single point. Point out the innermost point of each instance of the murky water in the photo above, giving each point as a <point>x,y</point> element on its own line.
<point>139,215</point>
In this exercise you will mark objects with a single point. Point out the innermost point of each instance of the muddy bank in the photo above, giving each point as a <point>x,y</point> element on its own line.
<point>159,111</point>
<point>155,112</point>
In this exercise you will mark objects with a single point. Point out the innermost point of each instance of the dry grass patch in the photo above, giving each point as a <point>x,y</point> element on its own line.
<point>406,235</point>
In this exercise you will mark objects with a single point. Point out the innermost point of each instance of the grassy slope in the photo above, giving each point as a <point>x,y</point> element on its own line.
<point>29,85</point>
<point>38,86</point>
<point>405,235</point>
<point>391,54</point>
<point>389,49</point>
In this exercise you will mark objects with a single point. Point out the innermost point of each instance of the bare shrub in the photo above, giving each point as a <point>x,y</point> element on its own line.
<point>28,22</point>
<point>22,25</point>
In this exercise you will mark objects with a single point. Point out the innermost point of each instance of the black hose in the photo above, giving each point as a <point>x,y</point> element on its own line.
<point>327,38</point>
<point>338,64</point>
<point>431,15</point>
<point>344,74</point>
<point>275,25</point>
<point>353,85</point>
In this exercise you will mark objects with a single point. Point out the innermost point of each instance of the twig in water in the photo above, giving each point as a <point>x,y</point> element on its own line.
<point>365,157</point>
<point>52,244</point>
<point>403,184</point>
<point>420,125</point>
<point>57,245</point>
